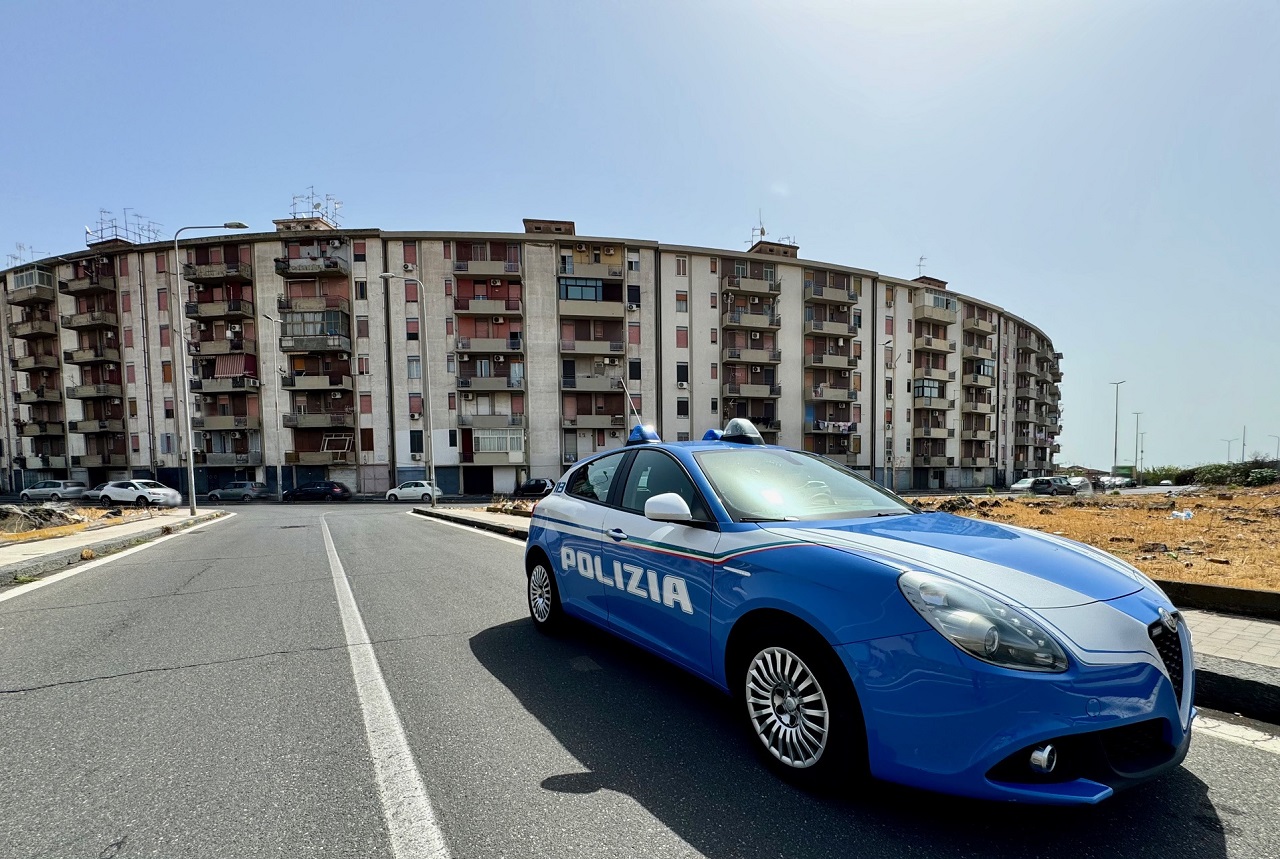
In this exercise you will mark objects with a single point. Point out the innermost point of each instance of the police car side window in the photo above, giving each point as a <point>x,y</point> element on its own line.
<point>654,473</point>
<point>593,480</point>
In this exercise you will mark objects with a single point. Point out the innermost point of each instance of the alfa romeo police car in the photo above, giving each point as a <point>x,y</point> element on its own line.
<point>863,636</point>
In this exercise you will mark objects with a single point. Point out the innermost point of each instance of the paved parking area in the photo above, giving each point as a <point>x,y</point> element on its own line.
<point>1229,637</point>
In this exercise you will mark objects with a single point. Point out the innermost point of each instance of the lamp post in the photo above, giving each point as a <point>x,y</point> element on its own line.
<point>1277,438</point>
<point>1228,441</point>
<point>1115,442</point>
<point>1142,449</point>
<point>426,393</point>
<point>1137,472</point>
<point>186,356</point>
<point>275,404</point>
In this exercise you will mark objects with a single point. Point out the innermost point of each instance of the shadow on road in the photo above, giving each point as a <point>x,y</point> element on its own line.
<point>643,728</point>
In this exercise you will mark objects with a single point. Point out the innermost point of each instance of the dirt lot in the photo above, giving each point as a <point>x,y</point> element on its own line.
<point>19,529</point>
<point>1233,538</point>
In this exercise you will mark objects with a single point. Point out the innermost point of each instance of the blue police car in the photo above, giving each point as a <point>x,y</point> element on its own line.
<point>862,636</point>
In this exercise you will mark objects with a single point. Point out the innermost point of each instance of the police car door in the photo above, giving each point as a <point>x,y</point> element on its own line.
<point>574,522</point>
<point>659,573</point>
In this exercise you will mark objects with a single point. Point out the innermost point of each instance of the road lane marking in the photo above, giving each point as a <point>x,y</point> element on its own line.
<point>469,529</point>
<point>411,819</point>
<point>1241,735</point>
<point>114,556</point>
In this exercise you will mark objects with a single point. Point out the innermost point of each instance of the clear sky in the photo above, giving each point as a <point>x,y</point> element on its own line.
<point>1108,170</point>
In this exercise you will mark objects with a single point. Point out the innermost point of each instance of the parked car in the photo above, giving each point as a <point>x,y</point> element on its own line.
<point>414,490</point>
<point>92,496</point>
<point>535,487</point>
<point>1166,482</point>
<point>240,490</point>
<point>318,490</point>
<point>859,636</point>
<point>1044,486</point>
<point>1081,485</point>
<point>54,490</point>
<point>139,493</point>
<point>1022,486</point>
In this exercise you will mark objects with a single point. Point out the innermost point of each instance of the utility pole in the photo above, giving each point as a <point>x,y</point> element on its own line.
<point>1115,442</point>
<point>1244,432</point>
<point>1137,471</point>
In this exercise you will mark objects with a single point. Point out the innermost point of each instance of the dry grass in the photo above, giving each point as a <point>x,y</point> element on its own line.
<point>94,514</point>
<point>1241,527</point>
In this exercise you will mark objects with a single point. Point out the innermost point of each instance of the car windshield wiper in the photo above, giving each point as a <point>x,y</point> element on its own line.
<point>769,519</point>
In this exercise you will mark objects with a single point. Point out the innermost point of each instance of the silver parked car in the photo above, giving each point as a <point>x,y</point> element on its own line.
<point>54,490</point>
<point>240,490</point>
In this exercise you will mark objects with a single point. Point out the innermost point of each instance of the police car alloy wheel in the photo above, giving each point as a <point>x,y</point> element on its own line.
<point>544,599</point>
<point>787,707</point>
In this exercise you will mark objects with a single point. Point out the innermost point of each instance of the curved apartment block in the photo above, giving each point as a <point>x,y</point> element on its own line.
<point>361,354</point>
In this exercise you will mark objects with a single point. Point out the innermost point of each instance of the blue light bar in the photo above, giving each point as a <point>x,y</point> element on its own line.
<point>643,435</point>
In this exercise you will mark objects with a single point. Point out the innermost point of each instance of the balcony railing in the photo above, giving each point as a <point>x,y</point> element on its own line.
<point>100,460</point>
<point>240,459</point>
<point>90,425</point>
<point>934,403</point>
<point>37,294</point>
<point>751,319</point>
<point>751,355</point>
<point>487,268</point>
<point>594,270</point>
<point>41,394</point>
<point>831,393</point>
<point>490,421</point>
<point>31,429</point>
<point>594,309</point>
<point>312,304</point>
<point>94,392</point>
<point>488,306</point>
<point>828,294</point>
<point>981,326</point>
<point>933,461</point>
<point>981,407</point>
<point>91,319</point>
<point>316,381</point>
<point>316,343</point>
<point>308,267</point>
<point>829,327</point>
<point>88,285</point>
<point>320,457</point>
<point>751,285</point>
<point>92,355</point>
<point>490,383</point>
<point>241,272</point>
<point>933,432</point>
<point>591,383</point>
<point>603,420</point>
<point>490,344</point>
<point>935,344</point>
<point>226,422</point>
<point>835,361</point>
<point>36,362</point>
<point>224,347</point>
<point>33,328</point>
<point>750,389</point>
<point>933,373</point>
<point>318,420</point>
<point>235,308</point>
<point>593,347</point>
<point>228,385</point>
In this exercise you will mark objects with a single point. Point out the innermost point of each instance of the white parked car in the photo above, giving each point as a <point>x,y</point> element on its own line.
<point>414,490</point>
<point>139,493</point>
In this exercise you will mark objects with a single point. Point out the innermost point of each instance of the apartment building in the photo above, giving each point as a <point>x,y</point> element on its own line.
<point>364,356</point>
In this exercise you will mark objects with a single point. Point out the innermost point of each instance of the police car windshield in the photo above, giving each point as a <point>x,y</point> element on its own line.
<point>767,484</point>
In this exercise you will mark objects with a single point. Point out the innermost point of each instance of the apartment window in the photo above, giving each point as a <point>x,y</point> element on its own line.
<point>362,365</point>
<point>739,268</point>
<point>415,441</point>
<point>123,265</point>
<point>366,404</point>
<point>713,299</point>
<point>682,371</point>
<point>410,291</point>
<point>166,371</point>
<point>888,296</point>
<point>453,436</point>
<point>888,388</point>
<point>357,253</point>
<point>411,253</point>
<point>168,407</point>
<point>164,335</point>
<point>682,302</point>
<point>126,301</point>
<point>715,372</point>
<point>448,249</point>
<point>362,326</point>
<point>415,367</point>
<point>133,407</point>
<point>415,403</point>
<point>682,337</point>
<point>908,326</point>
<point>166,442</point>
<point>715,335</point>
<point>448,283</point>
<point>135,443</point>
<point>633,370</point>
<point>633,260</point>
<point>888,416</point>
<point>128,337</point>
<point>448,364</point>
<point>715,263</point>
<point>633,333</point>
<point>633,294</point>
<point>682,266</point>
<point>362,290</point>
<point>453,405</point>
<point>715,406</point>
<point>448,325</point>
<point>888,325</point>
<point>130,374</point>
<point>162,298</point>
<point>682,407</point>
<point>366,438</point>
<point>411,328</point>
<point>581,289</point>
<point>162,263</point>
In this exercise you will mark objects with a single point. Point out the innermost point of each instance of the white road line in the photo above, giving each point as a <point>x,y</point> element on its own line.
<point>82,568</point>
<point>468,528</point>
<point>1241,735</point>
<point>411,820</point>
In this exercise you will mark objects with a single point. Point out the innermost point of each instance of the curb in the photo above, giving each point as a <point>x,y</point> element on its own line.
<point>493,527</point>
<point>69,557</point>
<point>1241,602</point>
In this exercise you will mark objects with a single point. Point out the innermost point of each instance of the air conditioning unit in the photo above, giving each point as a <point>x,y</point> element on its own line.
<point>844,374</point>
<point>839,341</point>
<point>755,335</point>
<point>755,299</point>
<point>335,243</point>
<point>496,281</point>
<point>468,396</point>
<point>464,357</point>
<point>613,433</point>
<point>206,434</point>
<point>344,357</point>
<point>111,335</point>
<point>613,362</point>
<point>208,399</point>
<point>844,308</point>
<point>416,457</point>
<point>755,369</point>
<point>200,287</point>
<point>580,247</point>
<point>682,385</point>
<point>234,329</point>
<point>253,383</point>
<point>235,433</point>
<point>115,402</point>
<point>633,307</point>
<point>497,320</point>
<point>889,303</point>
<point>408,266</point>
<point>498,359</point>
<point>203,327</point>
<point>608,250</point>
<point>335,395</point>
<point>416,416</point>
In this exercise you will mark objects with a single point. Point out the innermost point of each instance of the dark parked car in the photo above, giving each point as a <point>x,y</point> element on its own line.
<point>241,490</point>
<point>535,488</point>
<point>319,490</point>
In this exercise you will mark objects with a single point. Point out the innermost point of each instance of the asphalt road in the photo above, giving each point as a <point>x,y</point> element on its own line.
<point>197,698</point>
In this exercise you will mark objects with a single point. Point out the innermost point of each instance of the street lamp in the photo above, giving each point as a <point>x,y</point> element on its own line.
<point>1228,441</point>
<point>1137,422</point>
<point>1115,442</point>
<point>275,404</point>
<point>426,393</point>
<point>1277,438</point>
<point>186,355</point>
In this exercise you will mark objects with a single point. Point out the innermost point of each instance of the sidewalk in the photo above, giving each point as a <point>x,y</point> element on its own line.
<point>36,557</point>
<point>1237,658</point>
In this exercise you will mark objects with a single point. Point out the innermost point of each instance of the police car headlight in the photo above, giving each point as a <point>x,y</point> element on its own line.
<point>980,625</point>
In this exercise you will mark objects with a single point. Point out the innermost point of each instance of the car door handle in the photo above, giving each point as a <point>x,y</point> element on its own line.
<point>617,534</point>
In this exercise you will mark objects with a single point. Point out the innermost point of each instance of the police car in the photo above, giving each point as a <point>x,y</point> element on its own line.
<point>862,636</point>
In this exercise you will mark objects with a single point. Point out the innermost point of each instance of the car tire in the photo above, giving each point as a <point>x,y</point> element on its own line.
<point>543,596</point>
<point>426,497</point>
<point>327,498</point>
<point>393,497</point>
<point>55,497</point>
<point>817,744</point>
<point>246,498</point>
<point>142,501</point>
<point>25,497</point>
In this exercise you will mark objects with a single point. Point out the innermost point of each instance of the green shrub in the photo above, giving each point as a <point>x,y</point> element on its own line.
<point>1221,474</point>
<point>1262,477</point>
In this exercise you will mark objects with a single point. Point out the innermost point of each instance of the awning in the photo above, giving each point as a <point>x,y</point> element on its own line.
<point>228,366</point>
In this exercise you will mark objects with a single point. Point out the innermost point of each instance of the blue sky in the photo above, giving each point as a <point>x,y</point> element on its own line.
<point>1106,169</point>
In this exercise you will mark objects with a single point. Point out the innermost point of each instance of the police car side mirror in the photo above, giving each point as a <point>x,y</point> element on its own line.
<point>667,507</point>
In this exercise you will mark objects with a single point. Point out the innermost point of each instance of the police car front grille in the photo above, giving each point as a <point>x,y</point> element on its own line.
<point>1169,646</point>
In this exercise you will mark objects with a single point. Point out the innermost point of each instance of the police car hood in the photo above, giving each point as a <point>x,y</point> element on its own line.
<point>1026,567</point>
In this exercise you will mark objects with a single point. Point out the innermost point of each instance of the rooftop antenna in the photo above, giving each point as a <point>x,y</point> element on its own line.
<point>920,266</point>
<point>758,233</point>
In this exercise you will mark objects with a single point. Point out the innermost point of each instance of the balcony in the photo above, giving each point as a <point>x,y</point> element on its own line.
<point>935,344</point>
<point>751,356</point>
<point>113,425</point>
<point>752,391</point>
<point>933,403</point>
<point>977,407</point>
<point>749,319</point>
<point>1021,416</point>
<point>1023,440</point>
<point>33,429</point>
<point>40,395</point>
<point>312,304</point>
<point>88,285</point>
<point>828,294</point>
<point>316,343</point>
<point>1055,374</point>
<point>226,422</point>
<point>490,383</point>
<point>594,270</point>
<point>828,327</point>
<point>215,272</point>
<point>823,360</point>
<point>92,355</point>
<point>90,320</point>
<point>25,296</point>
<point>318,420</point>
<point>978,353</point>
<point>309,267</point>
<point>750,285</point>
<point>932,461</point>
<point>830,393</point>
<point>1045,419</point>
<point>490,421</point>
<point>597,421</point>
<point>933,373</point>
<point>36,362</point>
<point>594,309</point>
<point>832,427</point>
<point>230,459</point>
<point>228,347</point>
<point>592,384</point>
<point>932,313</point>
<point>489,306</point>
<point>100,460</point>
<point>980,380</point>
<point>1024,392</point>
<point>489,268</point>
<point>95,392</point>
<point>38,463</point>
<point>933,432</point>
<point>592,347</point>
<point>317,382</point>
<point>977,462</point>
<point>30,328</point>
<point>1055,448</point>
<point>235,308</point>
<point>979,326</point>
<point>975,434</point>
<point>231,385</point>
<point>320,457</point>
<point>1030,344</point>
<point>501,457</point>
